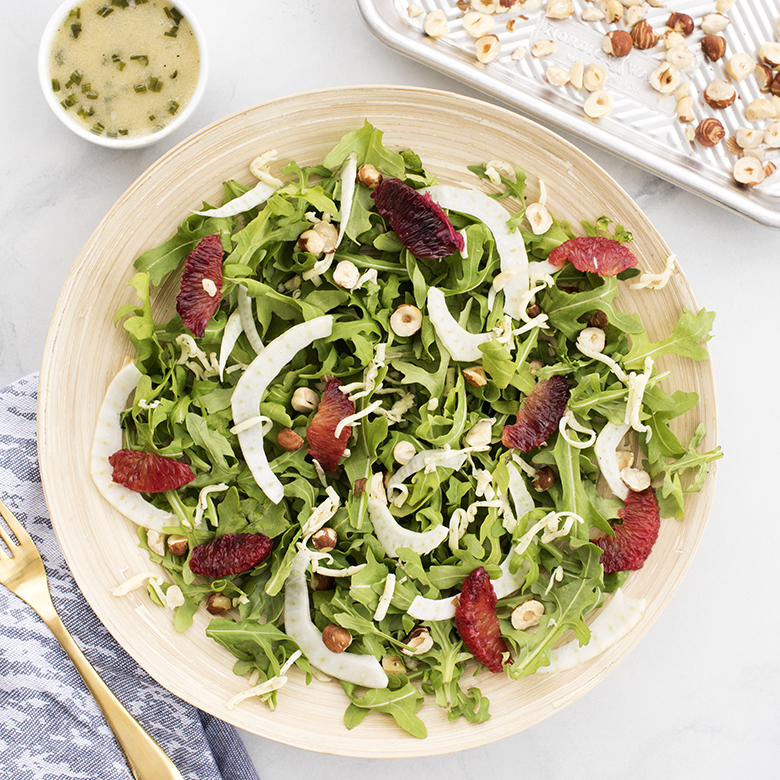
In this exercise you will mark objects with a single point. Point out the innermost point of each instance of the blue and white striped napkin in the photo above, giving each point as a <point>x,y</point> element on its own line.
<point>50,726</point>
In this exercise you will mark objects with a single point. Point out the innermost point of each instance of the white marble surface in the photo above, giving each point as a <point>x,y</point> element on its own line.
<point>699,696</point>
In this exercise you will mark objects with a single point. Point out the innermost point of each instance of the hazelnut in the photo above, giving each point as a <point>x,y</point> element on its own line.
<point>618,43</point>
<point>711,24</point>
<point>414,10</point>
<point>156,541</point>
<point>336,638</point>
<point>643,35</point>
<point>592,14</point>
<point>672,38</point>
<point>543,48</point>
<point>543,479</point>
<point>625,459</point>
<point>760,109</point>
<point>477,24</point>
<point>719,93</point>
<point>665,78</point>
<point>534,310</point>
<point>764,76</point>
<point>598,319</point>
<point>710,132</point>
<point>393,664</point>
<point>636,480</point>
<point>749,137</point>
<point>685,109</point>
<point>518,53</point>
<point>485,6</point>
<point>559,9</point>
<point>488,48</point>
<point>403,452</point>
<point>732,147</point>
<point>325,539</point>
<point>558,77</point>
<point>576,74</point>
<point>681,23</point>
<point>740,66</point>
<point>178,545</point>
<point>713,46</point>
<point>613,10</point>
<point>312,242</point>
<point>346,275</point>
<point>592,339</point>
<point>770,54</point>
<point>769,169</point>
<point>218,603</point>
<point>475,376</point>
<point>599,104</point>
<point>681,57</point>
<point>369,176</point>
<point>748,171</point>
<point>329,234</point>
<point>304,399</point>
<point>320,582</point>
<point>594,78</point>
<point>289,440</point>
<point>418,641</point>
<point>406,320</point>
<point>481,434</point>
<point>527,614</point>
<point>772,135</point>
<point>435,24</point>
<point>359,486</point>
<point>535,365</point>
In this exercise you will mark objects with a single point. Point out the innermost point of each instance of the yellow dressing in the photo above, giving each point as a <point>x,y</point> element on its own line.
<point>124,70</point>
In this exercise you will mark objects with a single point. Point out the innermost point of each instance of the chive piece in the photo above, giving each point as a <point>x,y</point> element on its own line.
<point>91,95</point>
<point>155,84</point>
<point>75,78</point>
<point>75,13</point>
<point>69,101</point>
<point>75,29</point>
<point>110,133</point>
<point>143,59</point>
<point>97,128</point>
<point>55,85</point>
<point>86,87</point>
<point>174,74</point>
<point>173,107</point>
<point>122,65</point>
<point>140,88</point>
<point>173,32</point>
<point>85,111</point>
<point>152,117</point>
<point>120,3</point>
<point>105,11</point>
<point>174,14</point>
<point>123,130</point>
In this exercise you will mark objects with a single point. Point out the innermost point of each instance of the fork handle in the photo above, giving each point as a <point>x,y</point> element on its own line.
<point>144,756</point>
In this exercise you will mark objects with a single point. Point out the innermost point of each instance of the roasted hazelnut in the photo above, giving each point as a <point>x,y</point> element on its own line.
<point>534,310</point>
<point>304,399</point>
<point>774,87</point>
<point>643,35</point>
<point>475,376</point>
<point>764,76</point>
<point>359,486</point>
<point>435,24</point>
<point>712,24</point>
<point>710,132</point>
<point>713,46</point>
<point>336,638</point>
<point>403,452</point>
<point>749,171</point>
<point>527,614</point>
<point>477,24</point>
<point>289,440</point>
<point>218,604</point>
<point>346,274</point>
<point>636,480</point>
<point>325,539</point>
<point>312,242</point>
<point>770,54</point>
<point>320,582</point>
<point>719,93</point>
<point>178,545</point>
<point>598,319</point>
<point>681,23</point>
<point>559,9</point>
<point>487,48</point>
<point>418,641</point>
<point>406,320</point>
<point>618,43</point>
<point>543,479</point>
<point>393,664</point>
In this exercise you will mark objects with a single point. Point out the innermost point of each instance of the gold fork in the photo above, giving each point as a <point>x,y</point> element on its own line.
<point>23,574</point>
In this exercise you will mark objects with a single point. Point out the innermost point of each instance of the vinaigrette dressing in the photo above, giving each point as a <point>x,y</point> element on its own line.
<point>122,68</point>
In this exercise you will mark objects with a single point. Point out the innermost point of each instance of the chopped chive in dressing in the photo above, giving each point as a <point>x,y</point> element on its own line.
<point>132,61</point>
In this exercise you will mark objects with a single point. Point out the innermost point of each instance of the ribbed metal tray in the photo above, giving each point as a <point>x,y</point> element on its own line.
<point>642,127</point>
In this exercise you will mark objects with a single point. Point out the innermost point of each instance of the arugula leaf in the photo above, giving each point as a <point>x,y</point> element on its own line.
<point>400,699</point>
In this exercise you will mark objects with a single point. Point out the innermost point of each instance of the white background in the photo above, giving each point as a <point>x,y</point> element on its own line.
<point>699,696</point>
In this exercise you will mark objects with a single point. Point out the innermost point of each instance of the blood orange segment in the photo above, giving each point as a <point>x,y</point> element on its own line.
<point>634,538</point>
<point>230,554</point>
<point>147,472</point>
<point>201,285</point>
<point>539,415</point>
<point>594,254</point>
<point>420,223</point>
<point>333,407</point>
<point>477,623</point>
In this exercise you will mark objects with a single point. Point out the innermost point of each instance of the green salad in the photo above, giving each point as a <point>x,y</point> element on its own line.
<point>436,357</point>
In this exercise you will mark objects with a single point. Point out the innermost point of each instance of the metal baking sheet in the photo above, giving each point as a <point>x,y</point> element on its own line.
<point>642,127</point>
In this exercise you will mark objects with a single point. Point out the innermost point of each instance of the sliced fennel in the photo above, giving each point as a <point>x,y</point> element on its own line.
<point>462,345</point>
<point>257,195</point>
<point>249,392</point>
<point>298,625</point>
<point>108,440</point>
<point>606,445</point>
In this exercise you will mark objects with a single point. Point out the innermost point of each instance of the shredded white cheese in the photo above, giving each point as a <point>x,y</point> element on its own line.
<point>656,281</point>
<point>570,421</point>
<point>233,329</point>
<point>385,598</point>
<point>637,384</point>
